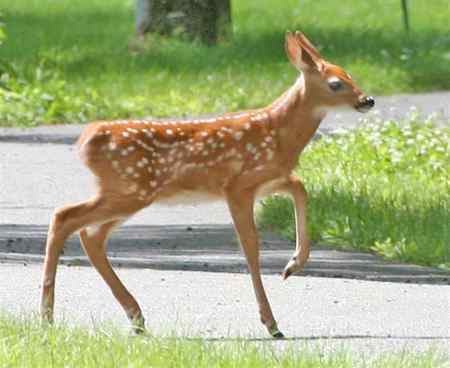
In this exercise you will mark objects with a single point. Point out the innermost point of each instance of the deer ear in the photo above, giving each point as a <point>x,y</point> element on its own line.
<point>308,45</point>
<point>299,55</point>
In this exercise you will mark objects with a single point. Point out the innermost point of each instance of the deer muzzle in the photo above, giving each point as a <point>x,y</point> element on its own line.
<point>365,103</point>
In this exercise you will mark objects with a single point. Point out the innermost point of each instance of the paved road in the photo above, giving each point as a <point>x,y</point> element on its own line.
<point>39,171</point>
<point>369,317</point>
<point>210,248</point>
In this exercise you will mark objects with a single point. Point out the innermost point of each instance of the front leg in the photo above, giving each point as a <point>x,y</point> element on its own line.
<point>295,187</point>
<point>241,208</point>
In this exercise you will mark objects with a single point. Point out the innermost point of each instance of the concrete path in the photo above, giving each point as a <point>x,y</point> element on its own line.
<point>365,318</point>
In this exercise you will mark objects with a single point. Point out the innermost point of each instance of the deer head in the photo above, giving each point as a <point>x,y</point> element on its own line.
<point>324,82</point>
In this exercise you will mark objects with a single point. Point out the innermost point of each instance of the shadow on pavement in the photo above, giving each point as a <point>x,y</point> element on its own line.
<point>211,248</point>
<point>321,337</point>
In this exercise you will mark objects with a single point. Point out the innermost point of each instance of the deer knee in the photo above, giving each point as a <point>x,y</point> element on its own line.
<point>58,229</point>
<point>58,220</point>
<point>300,187</point>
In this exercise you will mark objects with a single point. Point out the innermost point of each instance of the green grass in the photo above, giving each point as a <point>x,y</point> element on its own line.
<point>23,343</point>
<point>382,188</point>
<point>71,61</point>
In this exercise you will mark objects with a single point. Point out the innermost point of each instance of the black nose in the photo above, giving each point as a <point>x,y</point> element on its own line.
<point>369,101</point>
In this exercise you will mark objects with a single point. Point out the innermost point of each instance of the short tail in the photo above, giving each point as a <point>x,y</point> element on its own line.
<point>90,141</point>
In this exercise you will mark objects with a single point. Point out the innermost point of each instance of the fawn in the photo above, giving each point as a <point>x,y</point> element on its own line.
<point>236,156</point>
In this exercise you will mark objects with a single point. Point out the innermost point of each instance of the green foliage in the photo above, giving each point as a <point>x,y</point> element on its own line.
<point>43,97</point>
<point>83,45</point>
<point>383,188</point>
<point>25,343</point>
<point>2,30</point>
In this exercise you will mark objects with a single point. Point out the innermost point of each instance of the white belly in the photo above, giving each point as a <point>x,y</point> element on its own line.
<point>188,197</point>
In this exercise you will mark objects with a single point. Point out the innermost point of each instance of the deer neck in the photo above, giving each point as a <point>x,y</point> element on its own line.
<point>297,115</point>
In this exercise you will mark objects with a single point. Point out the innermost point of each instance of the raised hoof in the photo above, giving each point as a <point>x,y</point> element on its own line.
<point>278,335</point>
<point>286,274</point>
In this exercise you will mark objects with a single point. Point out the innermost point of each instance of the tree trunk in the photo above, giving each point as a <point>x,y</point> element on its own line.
<point>206,20</point>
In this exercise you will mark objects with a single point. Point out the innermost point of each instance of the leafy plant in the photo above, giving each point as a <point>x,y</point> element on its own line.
<point>43,97</point>
<point>2,30</point>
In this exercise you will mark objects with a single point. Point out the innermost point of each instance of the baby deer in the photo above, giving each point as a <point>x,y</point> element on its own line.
<point>236,156</point>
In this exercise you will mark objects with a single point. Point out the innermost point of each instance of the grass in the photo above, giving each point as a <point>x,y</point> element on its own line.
<point>383,188</point>
<point>23,343</point>
<point>68,61</point>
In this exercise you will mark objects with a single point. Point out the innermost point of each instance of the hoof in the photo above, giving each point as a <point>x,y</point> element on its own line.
<point>275,332</point>
<point>278,335</point>
<point>138,330</point>
<point>286,274</point>
<point>138,325</point>
<point>45,323</point>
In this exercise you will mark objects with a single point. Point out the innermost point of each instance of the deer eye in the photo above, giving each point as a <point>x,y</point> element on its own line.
<point>335,84</point>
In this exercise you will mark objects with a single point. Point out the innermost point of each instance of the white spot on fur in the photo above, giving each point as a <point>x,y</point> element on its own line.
<point>250,147</point>
<point>92,230</point>
<point>132,188</point>
<point>188,197</point>
<point>238,135</point>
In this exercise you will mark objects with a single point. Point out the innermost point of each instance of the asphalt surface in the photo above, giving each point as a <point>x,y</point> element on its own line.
<point>39,170</point>
<point>210,248</point>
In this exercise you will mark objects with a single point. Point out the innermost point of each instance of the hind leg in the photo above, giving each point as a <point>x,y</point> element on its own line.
<point>65,222</point>
<point>94,242</point>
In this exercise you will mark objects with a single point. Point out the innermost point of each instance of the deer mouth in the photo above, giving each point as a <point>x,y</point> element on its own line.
<point>365,104</point>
